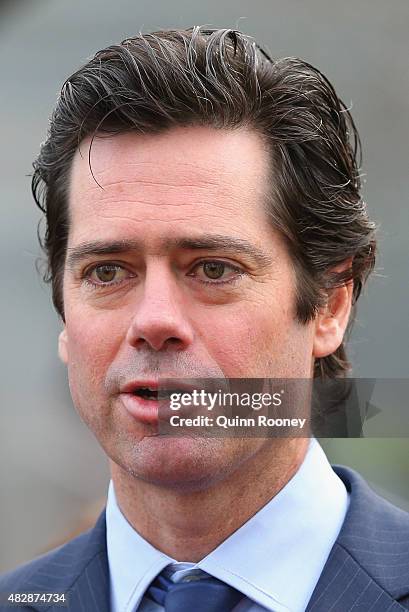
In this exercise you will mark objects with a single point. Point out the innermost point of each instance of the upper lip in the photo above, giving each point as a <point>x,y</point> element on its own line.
<point>160,384</point>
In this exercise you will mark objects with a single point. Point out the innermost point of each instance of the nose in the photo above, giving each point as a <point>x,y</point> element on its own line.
<point>160,317</point>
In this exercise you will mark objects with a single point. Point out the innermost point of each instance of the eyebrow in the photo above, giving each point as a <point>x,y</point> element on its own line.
<point>206,242</point>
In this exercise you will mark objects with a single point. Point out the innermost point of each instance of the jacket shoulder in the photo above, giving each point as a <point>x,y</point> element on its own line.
<point>376,534</point>
<point>60,568</point>
<point>366,503</point>
<point>63,556</point>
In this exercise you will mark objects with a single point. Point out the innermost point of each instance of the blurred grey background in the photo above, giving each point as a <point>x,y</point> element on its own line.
<point>53,475</point>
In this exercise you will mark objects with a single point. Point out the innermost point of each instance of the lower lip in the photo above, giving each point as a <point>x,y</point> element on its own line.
<point>144,410</point>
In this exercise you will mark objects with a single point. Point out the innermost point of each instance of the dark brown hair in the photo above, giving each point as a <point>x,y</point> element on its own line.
<point>223,79</point>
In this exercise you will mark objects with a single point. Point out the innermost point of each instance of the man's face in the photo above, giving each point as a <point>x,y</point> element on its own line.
<point>191,281</point>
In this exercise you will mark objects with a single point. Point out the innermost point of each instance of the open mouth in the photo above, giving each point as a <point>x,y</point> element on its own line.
<point>156,394</point>
<point>151,402</point>
<point>146,393</point>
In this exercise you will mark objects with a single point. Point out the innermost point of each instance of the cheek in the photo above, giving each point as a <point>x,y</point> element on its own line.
<point>92,343</point>
<point>257,340</point>
<point>240,338</point>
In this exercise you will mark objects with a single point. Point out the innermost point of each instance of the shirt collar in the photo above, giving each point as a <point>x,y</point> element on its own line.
<point>288,540</point>
<point>133,562</point>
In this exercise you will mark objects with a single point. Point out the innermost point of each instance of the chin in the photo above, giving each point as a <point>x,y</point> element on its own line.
<point>182,463</point>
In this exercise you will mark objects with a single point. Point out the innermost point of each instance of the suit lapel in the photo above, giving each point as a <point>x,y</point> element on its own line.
<point>80,570</point>
<point>90,593</point>
<point>358,573</point>
<point>345,585</point>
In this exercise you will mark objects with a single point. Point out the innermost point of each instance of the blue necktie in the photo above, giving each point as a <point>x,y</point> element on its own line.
<point>198,595</point>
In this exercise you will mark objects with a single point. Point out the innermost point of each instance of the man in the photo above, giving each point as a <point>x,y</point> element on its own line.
<point>204,220</point>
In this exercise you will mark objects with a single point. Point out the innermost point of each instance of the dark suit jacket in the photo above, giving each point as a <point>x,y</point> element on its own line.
<point>368,567</point>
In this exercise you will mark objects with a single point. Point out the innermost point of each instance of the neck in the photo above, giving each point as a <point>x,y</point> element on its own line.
<point>188,525</point>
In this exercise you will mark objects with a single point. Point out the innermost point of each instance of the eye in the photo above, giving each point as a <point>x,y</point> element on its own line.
<point>106,274</point>
<point>216,272</point>
<point>214,269</point>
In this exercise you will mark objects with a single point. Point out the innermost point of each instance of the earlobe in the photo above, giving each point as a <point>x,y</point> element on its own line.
<point>63,346</point>
<point>332,321</point>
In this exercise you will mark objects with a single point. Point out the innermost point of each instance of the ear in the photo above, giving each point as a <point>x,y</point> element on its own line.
<point>63,346</point>
<point>332,319</point>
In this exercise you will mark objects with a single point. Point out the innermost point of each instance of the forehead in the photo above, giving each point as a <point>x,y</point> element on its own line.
<point>198,176</point>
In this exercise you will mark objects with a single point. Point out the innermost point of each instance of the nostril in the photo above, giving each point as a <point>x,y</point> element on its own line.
<point>159,333</point>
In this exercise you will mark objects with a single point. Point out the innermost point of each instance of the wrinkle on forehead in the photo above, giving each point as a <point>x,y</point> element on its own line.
<point>156,192</point>
<point>211,150</point>
<point>201,174</point>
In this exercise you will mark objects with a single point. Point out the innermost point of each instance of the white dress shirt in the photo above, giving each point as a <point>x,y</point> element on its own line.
<point>275,559</point>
